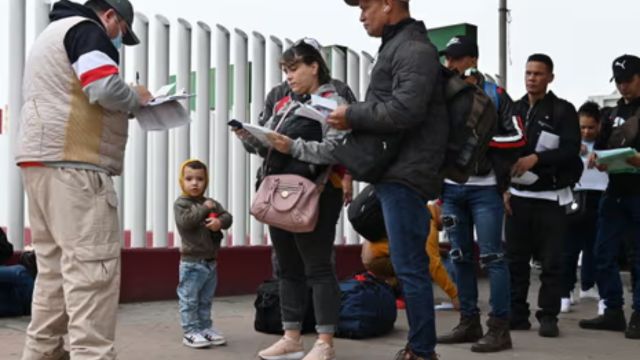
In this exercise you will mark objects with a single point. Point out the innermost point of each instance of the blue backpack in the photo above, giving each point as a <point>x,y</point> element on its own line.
<point>368,307</point>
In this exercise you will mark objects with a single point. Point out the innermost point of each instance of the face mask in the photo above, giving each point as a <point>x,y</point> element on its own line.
<point>117,41</point>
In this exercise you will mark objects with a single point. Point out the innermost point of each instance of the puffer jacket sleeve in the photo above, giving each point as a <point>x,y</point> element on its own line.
<point>320,153</point>
<point>416,72</point>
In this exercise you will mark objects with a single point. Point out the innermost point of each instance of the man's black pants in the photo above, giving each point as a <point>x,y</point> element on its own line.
<point>536,228</point>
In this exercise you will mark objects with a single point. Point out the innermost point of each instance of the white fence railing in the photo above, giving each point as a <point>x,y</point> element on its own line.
<point>245,68</point>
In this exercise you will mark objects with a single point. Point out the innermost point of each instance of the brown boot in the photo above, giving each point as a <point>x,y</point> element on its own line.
<point>468,330</point>
<point>496,339</point>
<point>407,354</point>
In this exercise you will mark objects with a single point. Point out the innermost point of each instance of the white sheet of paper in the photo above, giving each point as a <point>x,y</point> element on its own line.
<point>310,112</point>
<point>167,115</point>
<point>593,179</point>
<point>163,99</point>
<point>164,90</point>
<point>319,101</point>
<point>547,141</point>
<point>259,132</point>
<point>527,178</point>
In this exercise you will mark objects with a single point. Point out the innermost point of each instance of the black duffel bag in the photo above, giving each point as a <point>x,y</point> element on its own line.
<point>268,317</point>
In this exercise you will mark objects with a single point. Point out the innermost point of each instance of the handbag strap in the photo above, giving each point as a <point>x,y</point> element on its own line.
<point>283,119</point>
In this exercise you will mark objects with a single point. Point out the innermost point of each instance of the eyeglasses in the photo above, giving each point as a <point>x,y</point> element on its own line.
<point>310,42</point>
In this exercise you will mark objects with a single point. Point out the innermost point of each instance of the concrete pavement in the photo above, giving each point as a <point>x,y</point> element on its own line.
<point>152,331</point>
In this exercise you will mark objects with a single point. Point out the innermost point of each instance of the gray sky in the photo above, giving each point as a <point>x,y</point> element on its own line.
<point>582,36</point>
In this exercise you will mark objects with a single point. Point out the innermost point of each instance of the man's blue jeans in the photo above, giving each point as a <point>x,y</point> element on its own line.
<point>617,216</point>
<point>16,290</point>
<point>407,221</point>
<point>463,207</point>
<point>197,286</point>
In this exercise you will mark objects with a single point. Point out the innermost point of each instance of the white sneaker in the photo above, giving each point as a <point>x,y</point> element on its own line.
<point>601,307</point>
<point>195,340</point>
<point>214,336</point>
<point>590,294</point>
<point>565,305</point>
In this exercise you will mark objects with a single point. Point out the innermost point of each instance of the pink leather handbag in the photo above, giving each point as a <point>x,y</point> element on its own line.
<point>289,202</point>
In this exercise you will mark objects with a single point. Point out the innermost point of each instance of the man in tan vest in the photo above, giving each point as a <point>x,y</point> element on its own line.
<point>72,138</point>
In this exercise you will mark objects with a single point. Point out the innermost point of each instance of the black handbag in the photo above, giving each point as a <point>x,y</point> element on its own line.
<point>367,155</point>
<point>365,214</point>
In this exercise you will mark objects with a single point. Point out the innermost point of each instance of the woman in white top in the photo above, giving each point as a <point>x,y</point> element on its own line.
<point>583,213</point>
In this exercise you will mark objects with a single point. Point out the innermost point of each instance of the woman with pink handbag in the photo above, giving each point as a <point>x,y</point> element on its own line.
<point>300,197</point>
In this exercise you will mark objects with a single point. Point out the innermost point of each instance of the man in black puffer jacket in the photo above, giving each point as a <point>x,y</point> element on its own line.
<point>405,97</point>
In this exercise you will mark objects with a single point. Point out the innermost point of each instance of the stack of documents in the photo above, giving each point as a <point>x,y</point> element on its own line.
<point>259,132</point>
<point>616,160</point>
<point>164,111</point>
<point>318,109</point>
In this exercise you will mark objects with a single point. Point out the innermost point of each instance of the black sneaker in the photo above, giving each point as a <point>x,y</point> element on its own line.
<point>549,327</point>
<point>633,330</point>
<point>612,319</point>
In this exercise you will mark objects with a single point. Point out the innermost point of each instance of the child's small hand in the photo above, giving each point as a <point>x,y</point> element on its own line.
<point>209,204</point>
<point>213,224</point>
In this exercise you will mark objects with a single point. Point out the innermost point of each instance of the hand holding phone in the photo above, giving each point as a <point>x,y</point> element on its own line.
<point>235,124</point>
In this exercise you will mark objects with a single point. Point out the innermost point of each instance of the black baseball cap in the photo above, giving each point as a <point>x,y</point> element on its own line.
<point>624,67</point>
<point>460,46</point>
<point>357,2</point>
<point>125,11</point>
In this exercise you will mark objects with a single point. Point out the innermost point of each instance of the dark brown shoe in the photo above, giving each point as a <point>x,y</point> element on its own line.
<point>496,339</point>
<point>469,330</point>
<point>407,354</point>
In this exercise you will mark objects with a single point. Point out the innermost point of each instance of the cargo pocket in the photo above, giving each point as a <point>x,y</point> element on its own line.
<point>105,217</point>
<point>99,264</point>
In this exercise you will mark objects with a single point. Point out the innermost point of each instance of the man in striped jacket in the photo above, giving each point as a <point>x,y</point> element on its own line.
<point>72,137</point>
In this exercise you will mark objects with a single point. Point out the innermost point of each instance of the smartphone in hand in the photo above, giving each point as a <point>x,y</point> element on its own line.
<point>235,124</point>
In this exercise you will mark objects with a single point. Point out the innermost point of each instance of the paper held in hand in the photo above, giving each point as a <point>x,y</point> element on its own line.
<point>259,132</point>
<point>616,160</point>
<point>164,111</point>
<point>319,108</point>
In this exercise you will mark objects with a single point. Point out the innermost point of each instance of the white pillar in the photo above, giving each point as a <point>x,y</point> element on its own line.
<point>183,82</point>
<point>16,53</point>
<point>257,103</point>
<point>353,80</point>
<point>339,71</point>
<point>366,65</point>
<point>160,140</point>
<point>221,142</point>
<point>203,105</point>
<point>139,141</point>
<point>239,154</point>
<point>118,181</point>
<point>274,53</point>
<point>285,46</point>
<point>181,135</point>
<point>42,8</point>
